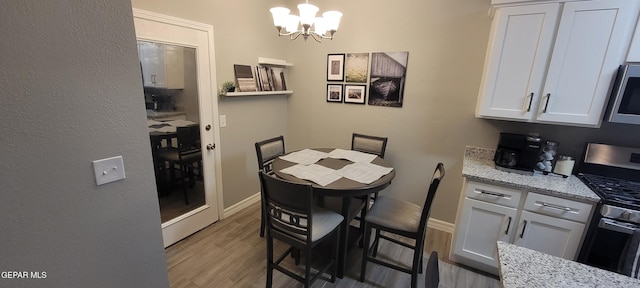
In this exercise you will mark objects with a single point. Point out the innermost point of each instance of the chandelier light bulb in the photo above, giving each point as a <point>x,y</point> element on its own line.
<point>332,20</point>
<point>279,16</point>
<point>293,25</point>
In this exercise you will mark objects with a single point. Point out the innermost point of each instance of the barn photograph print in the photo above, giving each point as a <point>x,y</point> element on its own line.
<point>388,74</point>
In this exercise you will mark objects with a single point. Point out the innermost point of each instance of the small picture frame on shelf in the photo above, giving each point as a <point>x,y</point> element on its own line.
<point>334,93</point>
<point>335,67</point>
<point>355,94</point>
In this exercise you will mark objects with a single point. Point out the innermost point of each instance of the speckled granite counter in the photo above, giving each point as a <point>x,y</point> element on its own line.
<point>522,267</point>
<point>478,166</point>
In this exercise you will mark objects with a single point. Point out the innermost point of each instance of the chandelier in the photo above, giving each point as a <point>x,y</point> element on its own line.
<point>287,24</point>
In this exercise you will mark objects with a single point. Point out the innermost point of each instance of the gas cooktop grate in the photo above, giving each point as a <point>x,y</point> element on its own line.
<point>614,189</point>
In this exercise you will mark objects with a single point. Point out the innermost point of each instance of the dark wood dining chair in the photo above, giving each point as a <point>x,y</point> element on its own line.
<point>185,155</point>
<point>369,144</point>
<point>267,151</point>
<point>402,218</point>
<point>293,219</point>
<point>373,145</point>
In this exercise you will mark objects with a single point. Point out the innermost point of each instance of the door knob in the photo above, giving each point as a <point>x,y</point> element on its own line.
<point>208,127</point>
<point>211,146</point>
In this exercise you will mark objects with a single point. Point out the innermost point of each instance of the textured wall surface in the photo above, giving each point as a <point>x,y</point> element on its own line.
<point>71,94</point>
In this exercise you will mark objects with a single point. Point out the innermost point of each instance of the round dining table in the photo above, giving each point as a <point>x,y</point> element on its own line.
<point>345,188</point>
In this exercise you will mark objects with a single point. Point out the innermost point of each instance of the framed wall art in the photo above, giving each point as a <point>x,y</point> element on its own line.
<point>387,78</point>
<point>355,94</point>
<point>335,67</point>
<point>355,67</point>
<point>334,93</point>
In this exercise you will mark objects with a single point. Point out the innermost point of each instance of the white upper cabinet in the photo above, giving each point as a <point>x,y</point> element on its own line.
<point>554,62</point>
<point>162,65</point>
<point>634,48</point>
<point>517,56</point>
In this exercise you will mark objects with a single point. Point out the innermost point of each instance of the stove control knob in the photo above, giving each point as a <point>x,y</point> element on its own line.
<point>630,216</point>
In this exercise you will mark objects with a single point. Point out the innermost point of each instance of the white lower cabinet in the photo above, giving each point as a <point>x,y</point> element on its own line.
<point>489,213</point>
<point>557,237</point>
<point>485,224</point>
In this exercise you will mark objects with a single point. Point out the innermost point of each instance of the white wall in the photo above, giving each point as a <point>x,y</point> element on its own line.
<point>71,94</point>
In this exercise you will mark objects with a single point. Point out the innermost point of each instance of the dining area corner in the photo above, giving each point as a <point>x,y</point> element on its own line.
<point>345,184</point>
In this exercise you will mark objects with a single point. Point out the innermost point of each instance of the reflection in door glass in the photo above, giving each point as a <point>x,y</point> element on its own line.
<point>171,99</point>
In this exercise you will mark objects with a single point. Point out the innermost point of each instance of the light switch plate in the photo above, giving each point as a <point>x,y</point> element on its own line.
<point>223,121</point>
<point>108,170</point>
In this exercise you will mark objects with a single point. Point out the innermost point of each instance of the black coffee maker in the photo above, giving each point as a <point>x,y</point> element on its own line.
<point>517,153</point>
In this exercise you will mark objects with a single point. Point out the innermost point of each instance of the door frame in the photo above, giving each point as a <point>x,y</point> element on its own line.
<point>172,232</point>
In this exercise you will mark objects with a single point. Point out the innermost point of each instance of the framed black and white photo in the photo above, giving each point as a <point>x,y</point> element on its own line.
<point>355,94</point>
<point>334,93</point>
<point>355,67</point>
<point>335,67</point>
<point>387,77</point>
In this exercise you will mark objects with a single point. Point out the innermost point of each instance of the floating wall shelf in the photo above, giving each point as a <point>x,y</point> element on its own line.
<point>265,62</point>
<point>273,62</point>
<point>258,93</point>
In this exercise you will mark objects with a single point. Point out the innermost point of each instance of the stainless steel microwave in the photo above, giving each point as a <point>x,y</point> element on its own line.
<point>624,104</point>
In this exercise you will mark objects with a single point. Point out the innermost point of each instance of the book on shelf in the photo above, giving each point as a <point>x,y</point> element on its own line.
<point>264,78</point>
<point>244,77</point>
<point>278,79</point>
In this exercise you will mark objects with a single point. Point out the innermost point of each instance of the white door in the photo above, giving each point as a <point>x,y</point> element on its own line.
<point>183,216</point>
<point>516,61</point>
<point>482,225</point>
<point>576,90</point>
<point>550,235</point>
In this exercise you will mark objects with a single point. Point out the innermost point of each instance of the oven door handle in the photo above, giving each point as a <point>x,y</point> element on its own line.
<point>612,225</point>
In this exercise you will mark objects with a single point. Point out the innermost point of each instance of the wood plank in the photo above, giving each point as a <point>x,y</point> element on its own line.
<point>230,253</point>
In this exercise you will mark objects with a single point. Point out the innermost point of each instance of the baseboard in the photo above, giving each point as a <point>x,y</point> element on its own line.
<point>235,208</point>
<point>441,225</point>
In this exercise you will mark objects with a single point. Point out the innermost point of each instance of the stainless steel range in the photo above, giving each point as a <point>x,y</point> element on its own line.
<point>612,172</point>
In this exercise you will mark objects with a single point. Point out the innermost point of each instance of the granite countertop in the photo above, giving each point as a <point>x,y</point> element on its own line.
<point>478,165</point>
<point>523,267</point>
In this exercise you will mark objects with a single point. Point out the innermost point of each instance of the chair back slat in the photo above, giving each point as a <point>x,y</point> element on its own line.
<point>267,151</point>
<point>288,206</point>
<point>369,144</point>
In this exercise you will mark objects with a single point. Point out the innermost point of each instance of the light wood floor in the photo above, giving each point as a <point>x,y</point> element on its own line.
<point>230,253</point>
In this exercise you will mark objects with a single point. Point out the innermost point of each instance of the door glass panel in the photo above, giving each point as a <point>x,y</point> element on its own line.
<point>171,98</point>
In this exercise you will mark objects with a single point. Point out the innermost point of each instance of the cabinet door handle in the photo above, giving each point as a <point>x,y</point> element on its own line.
<point>523,228</point>
<point>530,100</point>
<point>492,193</point>
<point>506,232</point>
<point>554,206</point>
<point>546,105</point>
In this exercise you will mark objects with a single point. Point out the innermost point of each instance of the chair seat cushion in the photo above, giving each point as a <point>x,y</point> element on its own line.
<point>324,221</point>
<point>395,214</point>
